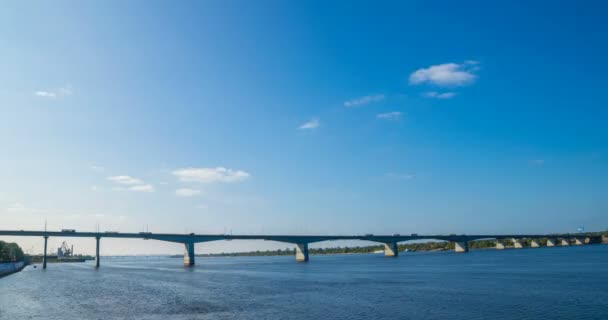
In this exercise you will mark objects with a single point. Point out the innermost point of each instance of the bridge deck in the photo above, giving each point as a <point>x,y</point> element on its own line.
<point>187,238</point>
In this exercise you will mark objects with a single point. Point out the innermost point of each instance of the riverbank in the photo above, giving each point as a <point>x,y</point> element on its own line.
<point>7,268</point>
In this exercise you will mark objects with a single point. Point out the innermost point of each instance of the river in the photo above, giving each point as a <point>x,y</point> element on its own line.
<point>544,283</point>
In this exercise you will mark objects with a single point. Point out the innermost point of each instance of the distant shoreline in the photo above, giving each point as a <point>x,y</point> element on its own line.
<point>433,246</point>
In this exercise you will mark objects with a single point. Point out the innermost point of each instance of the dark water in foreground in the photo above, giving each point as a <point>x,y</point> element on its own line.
<point>545,283</point>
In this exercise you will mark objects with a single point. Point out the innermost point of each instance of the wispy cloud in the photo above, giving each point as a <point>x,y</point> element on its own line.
<point>56,93</point>
<point>46,94</point>
<point>97,168</point>
<point>438,95</point>
<point>20,207</point>
<point>312,124</point>
<point>65,91</point>
<point>395,115</point>
<point>17,206</point>
<point>537,162</point>
<point>21,213</point>
<point>142,188</point>
<point>400,176</point>
<point>364,100</point>
<point>202,206</point>
<point>132,184</point>
<point>186,192</point>
<point>125,180</point>
<point>210,175</point>
<point>447,74</point>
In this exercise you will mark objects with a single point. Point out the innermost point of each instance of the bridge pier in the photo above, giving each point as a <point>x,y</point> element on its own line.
<point>551,242</point>
<point>391,249</point>
<point>517,244</point>
<point>534,244</point>
<point>500,245</point>
<point>579,241</point>
<point>302,252</point>
<point>97,261</point>
<point>188,254</point>
<point>46,239</point>
<point>462,246</point>
<point>565,242</point>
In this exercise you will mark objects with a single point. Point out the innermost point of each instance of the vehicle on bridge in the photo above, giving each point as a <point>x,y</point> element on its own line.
<point>68,230</point>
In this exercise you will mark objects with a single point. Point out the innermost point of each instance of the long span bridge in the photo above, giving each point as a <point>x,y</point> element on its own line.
<point>301,241</point>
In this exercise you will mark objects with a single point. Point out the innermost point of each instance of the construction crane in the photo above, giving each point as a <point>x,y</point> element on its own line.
<point>64,251</point>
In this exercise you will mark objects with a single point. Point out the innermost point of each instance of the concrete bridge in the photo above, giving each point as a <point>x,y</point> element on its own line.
<point>390,241</point>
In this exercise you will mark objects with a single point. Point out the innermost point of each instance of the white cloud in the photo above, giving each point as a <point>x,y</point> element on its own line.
<point>447,74</point>
<point>17,207</point>
<point>438,95</point>
<point>210,175</point>
<point>202,206</point>
<point>133,184</point>
<point>364,100</point>
<point>52,94</point>
<point>142,188</point>
<point>125,180</point>
<point>186,192</point>
<point>395,115</point>
<point>312,124</point>
<point>46,94</point>
<point>400,176</point>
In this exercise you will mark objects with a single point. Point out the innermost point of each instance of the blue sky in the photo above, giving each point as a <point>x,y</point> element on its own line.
<point>309,118</point>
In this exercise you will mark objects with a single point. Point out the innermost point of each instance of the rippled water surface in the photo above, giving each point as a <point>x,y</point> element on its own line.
<point>545,283</point>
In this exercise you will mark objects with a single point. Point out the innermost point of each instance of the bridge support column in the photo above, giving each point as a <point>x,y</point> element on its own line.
<point>579,241</point>
<point>534,244</point>
<point>391,249</point>
<point>551,242</point>
<point>188,254</point>
<point>565,242</point>
<point>517,244</point>
<point>97,262</point>
<point>462,246</point>
<point>500,245</point>
<point>46,239</point>
<point>301,252</point>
